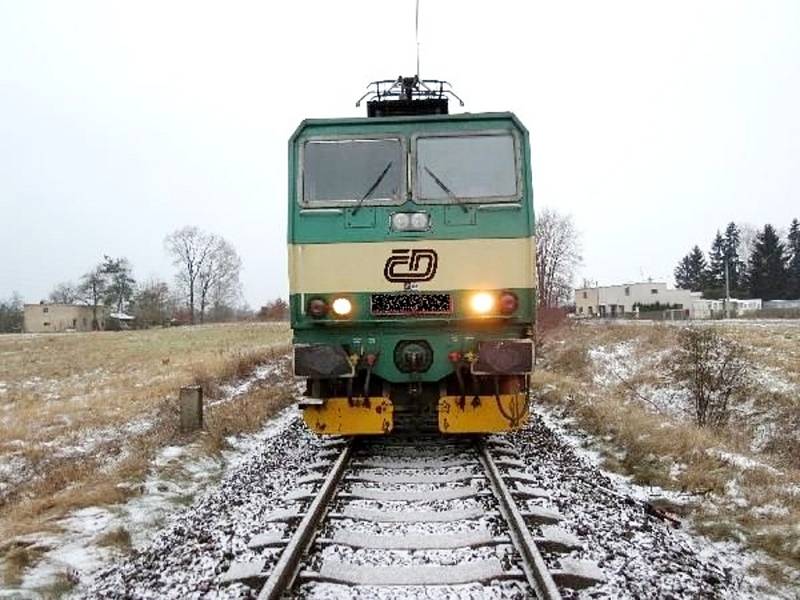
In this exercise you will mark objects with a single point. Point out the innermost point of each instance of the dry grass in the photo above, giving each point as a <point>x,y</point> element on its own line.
<point>17,558</point>
<point>116,538</point>
<point>84,412</point>
<point>762,509</point>
<point>249,412</point>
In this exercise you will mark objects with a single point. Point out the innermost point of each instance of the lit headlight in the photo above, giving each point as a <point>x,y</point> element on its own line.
<point>342,306</point>
<point>480,303</point>
<point>417,221</point>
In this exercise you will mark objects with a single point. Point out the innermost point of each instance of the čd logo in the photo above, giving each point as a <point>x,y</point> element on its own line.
<point>406,266</point>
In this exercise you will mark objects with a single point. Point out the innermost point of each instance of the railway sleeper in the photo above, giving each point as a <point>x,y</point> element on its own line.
<point>267,539</point>
<point>426,541</point>
<point>410,516</point>
<point>250,573</point>
<point>556,540</point>
<point>541,515</point>
<point>577,574</point>
<point>479,571</point>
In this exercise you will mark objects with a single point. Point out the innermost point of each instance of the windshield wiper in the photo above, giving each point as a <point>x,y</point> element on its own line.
<point>446,190</point>
<point>373,186</point>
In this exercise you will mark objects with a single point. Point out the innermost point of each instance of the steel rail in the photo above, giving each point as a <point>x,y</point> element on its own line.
<point>533,564</point>
<point>282,576</point>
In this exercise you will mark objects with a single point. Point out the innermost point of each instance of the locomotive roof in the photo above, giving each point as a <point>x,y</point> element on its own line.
<point>377,122</point>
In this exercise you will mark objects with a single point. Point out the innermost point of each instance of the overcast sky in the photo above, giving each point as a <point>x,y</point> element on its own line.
<point>652,123</point>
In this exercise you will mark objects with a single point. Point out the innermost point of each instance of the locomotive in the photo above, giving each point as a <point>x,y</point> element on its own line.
<point>411,266</point>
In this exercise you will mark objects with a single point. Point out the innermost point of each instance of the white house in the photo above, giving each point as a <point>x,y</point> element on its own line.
<point>629,298</point>
<point>633,299</point>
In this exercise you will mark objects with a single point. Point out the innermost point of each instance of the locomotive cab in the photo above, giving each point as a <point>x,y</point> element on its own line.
<point>411,261</point>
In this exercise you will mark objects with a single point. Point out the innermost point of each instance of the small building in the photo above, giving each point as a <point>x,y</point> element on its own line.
<point>782,304</point>
<point>743,307</point>
<point>119,321</point>
<point>615,301</point>
<point>53,318</point>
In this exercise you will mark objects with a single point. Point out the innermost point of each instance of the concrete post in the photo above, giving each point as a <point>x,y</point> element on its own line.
<point>191,408</point>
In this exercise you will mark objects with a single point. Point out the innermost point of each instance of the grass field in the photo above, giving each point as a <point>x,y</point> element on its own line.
<point>738,482</point>
<point>82,412</point>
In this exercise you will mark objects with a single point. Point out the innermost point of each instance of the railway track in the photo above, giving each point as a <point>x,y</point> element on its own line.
<point>410,517</point>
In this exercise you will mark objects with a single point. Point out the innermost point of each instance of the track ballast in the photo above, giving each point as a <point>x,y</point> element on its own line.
<point>414,517</point>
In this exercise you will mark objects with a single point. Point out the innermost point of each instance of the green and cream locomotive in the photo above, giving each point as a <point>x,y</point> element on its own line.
<point>412,270</point>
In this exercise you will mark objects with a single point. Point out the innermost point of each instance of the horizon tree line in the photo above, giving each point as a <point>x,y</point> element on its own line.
<point>207,287</point>
<point>760,263</point>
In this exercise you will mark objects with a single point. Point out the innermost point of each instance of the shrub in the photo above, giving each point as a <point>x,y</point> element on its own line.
<point>714,369</point>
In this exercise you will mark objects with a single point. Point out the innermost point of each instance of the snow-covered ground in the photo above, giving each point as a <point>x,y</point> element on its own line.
<point>631,366</point>
<point>642,555</point>
<point>187,556</point>
<point>641,560</point>
<point>177,475</point>
<point>615,365</point>
<point>196,514</point>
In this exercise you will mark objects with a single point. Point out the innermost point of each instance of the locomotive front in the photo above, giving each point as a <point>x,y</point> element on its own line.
<point>412,272</point>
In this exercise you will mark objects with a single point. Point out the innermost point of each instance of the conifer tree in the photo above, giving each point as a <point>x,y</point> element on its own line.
<point>691,272</point>
<point>793,284</point>
<point>716,266</point>
<point>736,265</point>
<point>766,267</point>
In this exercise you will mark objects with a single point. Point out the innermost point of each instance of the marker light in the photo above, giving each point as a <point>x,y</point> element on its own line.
<point>508,303</point>
<point>481,303</point>
<point>342,306</point>
<point>317,308</point>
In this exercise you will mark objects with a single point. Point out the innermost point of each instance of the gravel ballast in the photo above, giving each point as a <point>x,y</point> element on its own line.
<point>641,555</point>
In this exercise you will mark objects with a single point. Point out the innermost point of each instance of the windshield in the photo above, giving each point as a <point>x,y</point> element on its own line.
<point>353,172</point>
<point>467,167</point>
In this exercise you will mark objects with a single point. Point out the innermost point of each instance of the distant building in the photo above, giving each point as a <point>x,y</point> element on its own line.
<point>53,318</point>
<point>655,300</point>
<point>618,300</point>
<point>119,320</point>
<point>750,305</point>
<point>782,304</point>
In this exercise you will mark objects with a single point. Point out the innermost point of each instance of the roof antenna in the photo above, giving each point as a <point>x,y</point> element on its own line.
<point>416,35</point>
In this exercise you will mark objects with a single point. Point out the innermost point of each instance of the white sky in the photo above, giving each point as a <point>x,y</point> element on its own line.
<point>652,123</point>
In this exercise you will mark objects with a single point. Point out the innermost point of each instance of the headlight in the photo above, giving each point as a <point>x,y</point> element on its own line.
<point>481,303</point>
<point>342,306</point>
<point>417,221</point>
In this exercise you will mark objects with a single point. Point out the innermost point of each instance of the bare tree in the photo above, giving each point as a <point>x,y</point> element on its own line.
<point>92,290</point>
<point>65,293</point>
<point>218,279</point>
<point>747,241</point>
<point>557,256</point>
<point>152,303</point>
<point>190,249</point>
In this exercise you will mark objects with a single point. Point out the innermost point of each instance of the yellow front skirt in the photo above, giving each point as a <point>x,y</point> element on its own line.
<point>375,415</point>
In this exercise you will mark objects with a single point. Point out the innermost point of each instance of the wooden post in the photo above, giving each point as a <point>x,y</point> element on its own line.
<point>191,407</point>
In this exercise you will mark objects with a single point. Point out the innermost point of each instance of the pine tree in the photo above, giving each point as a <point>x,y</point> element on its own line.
<point>715,284</point>
<point>736,266</point>
<point>766,268</point>
<point>793,287</point>
<point>691,272</point>
<point>120,288</point>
